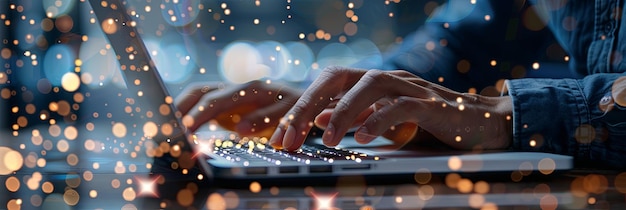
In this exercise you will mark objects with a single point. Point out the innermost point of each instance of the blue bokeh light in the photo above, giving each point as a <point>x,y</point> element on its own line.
<point>302,58</point>
<point>173,61</point>
<point>56,8</point>
<point>276,56</point>
<point>59,59</point>
<point>180,12</point>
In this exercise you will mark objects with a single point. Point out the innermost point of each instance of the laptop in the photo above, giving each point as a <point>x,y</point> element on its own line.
<point>225,155</point>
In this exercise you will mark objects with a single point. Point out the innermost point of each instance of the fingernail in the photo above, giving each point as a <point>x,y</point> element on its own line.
<point>289,137</point>
<point>363,135</point>
<point>329,135</point>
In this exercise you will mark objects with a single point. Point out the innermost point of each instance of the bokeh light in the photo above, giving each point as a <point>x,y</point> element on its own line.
<point>618,91</point>
<point>276,56</point>
<point>58,61</point>
<point>336,54</point>
<point>55,8</point>
<point>180,12</point>
<point>11,160</point>
<point>172,60</point>
<point>99,64</point>
<point>241,62</point>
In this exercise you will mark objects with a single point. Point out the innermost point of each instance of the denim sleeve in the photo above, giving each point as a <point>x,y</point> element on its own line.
<point>584,118</point>
<point>457,45</point>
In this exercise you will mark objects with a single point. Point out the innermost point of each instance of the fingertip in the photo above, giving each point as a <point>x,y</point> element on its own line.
<point>289,138</point>
<point>276,140</point>
<point>329,136</point>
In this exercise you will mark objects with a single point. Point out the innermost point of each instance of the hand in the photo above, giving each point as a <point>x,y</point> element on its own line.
<point>251,109</point>
<point>376,101</point>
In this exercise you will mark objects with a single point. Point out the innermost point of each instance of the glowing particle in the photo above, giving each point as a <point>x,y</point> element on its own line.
<point>119,130</point>
<point>481,187</point>
<point>129,194</point>
<point>493,63</point>
<point>109,26</point>
<point>546,166</point>
<point>487,115</point>
<point>533,143</point>
<point>256,21</point>
<point>71,197</point>
<point>70,82</point>
<point>93,193</point>
<point>455,163</point>
<point>12,184</point>
<point>535,65</point>
<point>255,187</point>
<point>11,160</point>
<point>465,185</point>
<point>487,17</point>
<point>457,138</point>
<point>216,201</point>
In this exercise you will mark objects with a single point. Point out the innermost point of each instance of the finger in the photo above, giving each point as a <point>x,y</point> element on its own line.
<point>372,87</point>
<point>208,107</point>
<point>299,119</point>
<point>191,95</point>
<point>262,122</point>
<point>405,109</point>
<point>322,120</point>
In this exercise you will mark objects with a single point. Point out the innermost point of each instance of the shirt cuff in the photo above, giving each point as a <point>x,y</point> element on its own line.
<point>546,114</point>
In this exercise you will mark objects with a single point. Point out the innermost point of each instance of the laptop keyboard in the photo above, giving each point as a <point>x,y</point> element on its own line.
<point>251,151</point>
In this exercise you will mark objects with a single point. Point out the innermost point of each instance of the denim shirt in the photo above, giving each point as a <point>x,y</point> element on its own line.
<point>568,98</point>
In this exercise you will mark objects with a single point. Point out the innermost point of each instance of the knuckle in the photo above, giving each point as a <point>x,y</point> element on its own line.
<point>334,69</point>
<point>342,107</point>
<point>298,109</point>
<point>376,76</point>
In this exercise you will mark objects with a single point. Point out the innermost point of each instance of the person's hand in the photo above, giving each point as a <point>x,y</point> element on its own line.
<point>251,109</point>
<point>376,101</point>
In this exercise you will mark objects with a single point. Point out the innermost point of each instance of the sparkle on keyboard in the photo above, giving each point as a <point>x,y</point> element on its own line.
<point>248,150</point>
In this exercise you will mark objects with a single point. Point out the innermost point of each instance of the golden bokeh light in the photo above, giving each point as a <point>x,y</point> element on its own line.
<point>119,130</point>
<point>12,184</point>
<point>129,194</point>
<point>546,166</point>
<point>216,201</point>
<point>11,160</point>
<point>185,197</point>
<point>70,82</point>
<point>47,187</point>
<point>71,197</point>
<point>150,129</point>
<point>109,26</point>
<point>618,91</point>
<point>422,176</point>
<point>465,185</point>
<point>455,163</point>
<point>255,187</point>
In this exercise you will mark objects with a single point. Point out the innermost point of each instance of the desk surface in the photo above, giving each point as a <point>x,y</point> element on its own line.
<point>59,170</point>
